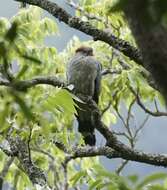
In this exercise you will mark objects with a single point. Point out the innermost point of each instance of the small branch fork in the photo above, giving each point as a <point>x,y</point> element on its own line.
<point>157,113</point>
<point>119,150</point>
<point>129,134</point>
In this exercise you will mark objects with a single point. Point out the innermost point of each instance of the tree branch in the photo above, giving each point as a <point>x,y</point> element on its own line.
<point>25,84</point>
<point>114,148</point>
<point>35,174</point>
<point>150,35</point>
<point>121,152</point>
<point>124,151</point>
<point>139,102</point>
<point>127,153</point>
<point>19,149</point>
<point>74,22</point>
<point>90,16</point>
<point>5,170</point>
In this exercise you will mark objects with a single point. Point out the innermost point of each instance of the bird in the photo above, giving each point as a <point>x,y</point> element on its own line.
<point>84,73</point>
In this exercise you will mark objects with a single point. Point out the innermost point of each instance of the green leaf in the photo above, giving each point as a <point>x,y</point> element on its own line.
<point>89,2</point>
<point>4,114</point>
<point>12,32</point>
<point>77,177</point>
<point>111,185</point>
<point>4,25</point>
<point>95,184</point>
<point>49,26</point>
<point>118,6</point>
<point>63,100</point>
<point>165,183</point>
<point>152,178</point>
<point>22,71</point>
<point>33,59</point>
<point>109,118</point>
<point>23,106</point>
<point>155,187</point>
<point>133,178</point>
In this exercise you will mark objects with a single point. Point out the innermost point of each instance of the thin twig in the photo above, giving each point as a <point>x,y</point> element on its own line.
<point>52,166</point>
<point>90,16</point>
<point>110,71</point>
<point>106,108</point>
<point>129,116</point>
<point>156,105</point>
<point>121,167</point>
<point>141,126</point>
<point>87,28</point>
<point>122,134</point>
<point>28,144</point>
<point>139,102</point>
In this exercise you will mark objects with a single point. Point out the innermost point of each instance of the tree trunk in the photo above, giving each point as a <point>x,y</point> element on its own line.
<point>151,37</point>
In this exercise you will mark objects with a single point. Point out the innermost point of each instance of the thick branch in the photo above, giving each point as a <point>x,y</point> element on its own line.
<point>127,153</point>
<point>25,84</point>
<point>74,22</point>
<point>91,16</point>
<point>151,38</point>
<point>20,148</point>
<point>124,151</point>
<point>91,152</point>
<point>114,148</point>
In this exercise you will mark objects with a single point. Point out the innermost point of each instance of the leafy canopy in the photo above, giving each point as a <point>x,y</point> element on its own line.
<point>48,112</point>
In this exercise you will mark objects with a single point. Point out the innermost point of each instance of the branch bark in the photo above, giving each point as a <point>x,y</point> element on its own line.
<point>19,149</point>
<point>74,22</point>
<point>116,149</point>
<point>152,40</point>
<point>124,151</point>
<point>25,84</point>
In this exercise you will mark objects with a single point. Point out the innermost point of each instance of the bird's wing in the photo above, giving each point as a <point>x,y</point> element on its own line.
<point>97,82</point>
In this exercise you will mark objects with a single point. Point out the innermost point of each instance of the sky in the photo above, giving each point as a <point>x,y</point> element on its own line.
<point>152,138</point>
<point>9,8</point>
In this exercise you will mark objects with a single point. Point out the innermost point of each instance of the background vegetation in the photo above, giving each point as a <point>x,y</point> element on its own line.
<point>40,145</point>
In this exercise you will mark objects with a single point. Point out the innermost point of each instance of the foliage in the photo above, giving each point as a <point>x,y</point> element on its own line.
<point>48,113</point>
<point>156,10</point>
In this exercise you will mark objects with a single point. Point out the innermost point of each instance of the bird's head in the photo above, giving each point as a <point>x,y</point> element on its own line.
<point>88,51</point>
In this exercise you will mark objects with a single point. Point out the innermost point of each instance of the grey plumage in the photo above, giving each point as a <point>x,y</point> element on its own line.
<point>84,72</point>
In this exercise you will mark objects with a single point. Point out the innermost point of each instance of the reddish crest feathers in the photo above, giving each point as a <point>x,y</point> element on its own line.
<point>85,50</point>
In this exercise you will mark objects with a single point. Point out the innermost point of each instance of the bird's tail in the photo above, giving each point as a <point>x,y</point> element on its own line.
<point>87,130</point>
